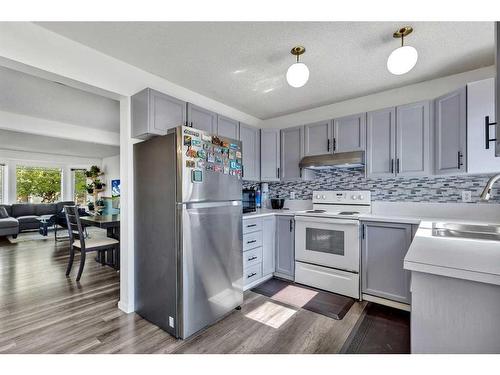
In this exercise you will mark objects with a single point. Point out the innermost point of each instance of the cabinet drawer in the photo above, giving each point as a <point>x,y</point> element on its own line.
<point>252,273</point>
<point>252,257</point>
<point>329,279</point>
<point>252,225</point>
<point>252,240</point>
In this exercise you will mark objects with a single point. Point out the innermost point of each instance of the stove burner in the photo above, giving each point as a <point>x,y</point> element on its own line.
<point>315,211</point>
<point>348,213</point>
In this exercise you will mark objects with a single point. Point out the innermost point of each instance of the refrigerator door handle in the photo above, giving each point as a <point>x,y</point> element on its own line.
<point>195,205</point>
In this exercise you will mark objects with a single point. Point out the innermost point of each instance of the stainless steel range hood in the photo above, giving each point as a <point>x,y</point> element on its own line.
<point>352,159</point>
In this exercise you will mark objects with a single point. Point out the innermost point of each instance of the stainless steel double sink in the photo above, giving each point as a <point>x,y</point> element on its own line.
<point>471,231</point>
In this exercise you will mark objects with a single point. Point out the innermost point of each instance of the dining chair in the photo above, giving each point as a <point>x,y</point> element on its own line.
<point>78,241</point>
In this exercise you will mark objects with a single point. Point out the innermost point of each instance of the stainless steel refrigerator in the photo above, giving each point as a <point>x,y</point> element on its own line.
<point>188,230</point>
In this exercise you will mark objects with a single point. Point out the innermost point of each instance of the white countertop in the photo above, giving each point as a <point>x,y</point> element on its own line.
<point>260,212</point>
<point>463,258</point>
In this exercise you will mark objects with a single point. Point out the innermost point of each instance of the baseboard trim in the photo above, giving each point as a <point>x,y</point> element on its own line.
<point>125,307</point>
<point>257,282</point>
<point>386,302</point>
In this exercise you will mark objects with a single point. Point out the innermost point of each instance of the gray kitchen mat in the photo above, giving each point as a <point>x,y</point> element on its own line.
<point>325,303</point>
<point>380,330</point>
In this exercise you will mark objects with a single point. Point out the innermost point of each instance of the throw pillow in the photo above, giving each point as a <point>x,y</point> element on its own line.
<point>3,213</point>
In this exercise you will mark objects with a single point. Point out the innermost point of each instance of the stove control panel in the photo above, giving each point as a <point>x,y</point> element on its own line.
<point>342,196</point>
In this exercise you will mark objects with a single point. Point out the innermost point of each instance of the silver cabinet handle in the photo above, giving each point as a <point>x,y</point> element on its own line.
<point>251,275</point>
<point>252,241</point>
<point>252,258</point>
<point>251,225</point>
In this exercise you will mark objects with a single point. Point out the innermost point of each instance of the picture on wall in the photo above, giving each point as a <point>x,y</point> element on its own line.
<point>115,188</point>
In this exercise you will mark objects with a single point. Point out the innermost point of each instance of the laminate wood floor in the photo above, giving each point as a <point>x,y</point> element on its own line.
<point>43,311</point>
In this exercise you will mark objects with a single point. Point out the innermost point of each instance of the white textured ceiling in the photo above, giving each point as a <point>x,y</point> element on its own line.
<point>50,145</point>
<point>37,97</point>
<point>243,64</point>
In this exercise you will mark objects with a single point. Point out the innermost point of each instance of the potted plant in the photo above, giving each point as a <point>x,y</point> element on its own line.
<point>90,205</point>
<point>94,172</point>
<point>99,184</point>
<point>90,188</point>
<point>100,203</point>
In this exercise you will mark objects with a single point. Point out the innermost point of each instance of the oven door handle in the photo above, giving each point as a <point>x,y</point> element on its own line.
<point>309,219</point>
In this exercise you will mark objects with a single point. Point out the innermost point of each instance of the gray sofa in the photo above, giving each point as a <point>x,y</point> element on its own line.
<point>23,216</point>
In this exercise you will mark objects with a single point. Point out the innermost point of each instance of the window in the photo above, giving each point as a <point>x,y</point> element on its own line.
<point>38,184</point>
<point>2,183</point>
<point>79,186</point>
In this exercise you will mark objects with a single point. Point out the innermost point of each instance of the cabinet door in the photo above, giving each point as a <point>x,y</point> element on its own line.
<point>291,153</point>
<point>227,127</point>
<point>349,133</point>
<point>154,113</point>
<point>202,119</point>
<point>318,138</point>
<point>450,132</point>
<point>413,139</point>
<point>384,247</point>
<point>250,149</point>
<point>381,143</point>
<point>285,251</point>
<point>270,155</point>
<point>481,103</point>
<point>268,244</point>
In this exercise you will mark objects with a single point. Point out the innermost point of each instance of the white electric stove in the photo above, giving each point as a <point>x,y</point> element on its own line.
<point>328,241</point>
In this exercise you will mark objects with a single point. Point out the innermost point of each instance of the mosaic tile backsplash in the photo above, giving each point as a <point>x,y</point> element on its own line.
<point>444,189</point>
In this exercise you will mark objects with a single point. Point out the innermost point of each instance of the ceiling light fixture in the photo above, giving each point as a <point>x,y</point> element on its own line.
<point>404,58</point>
<point>298,73</point>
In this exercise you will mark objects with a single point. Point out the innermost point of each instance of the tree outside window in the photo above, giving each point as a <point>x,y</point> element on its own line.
<point>38,184</point>
<point>80,189</point>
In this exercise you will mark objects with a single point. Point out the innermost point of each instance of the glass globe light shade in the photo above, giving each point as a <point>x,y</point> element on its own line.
<point>402,60</point>
<point>297,74</point>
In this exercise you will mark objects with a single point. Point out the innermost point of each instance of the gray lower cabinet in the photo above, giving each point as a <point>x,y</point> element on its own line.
<point>413,139</point>
<point>285,247</point>
<point>450,132</point>
<point>268,245</point>
<point>227,127</point>
<point>202,119</point>
<point>292,149</point>
<point>349,133</point>
<point>250,146</point>
<point>381,143</point>
<point>318,138</point>
<point>270,155</point>
<point>384,247</point>
<point>154,113</point>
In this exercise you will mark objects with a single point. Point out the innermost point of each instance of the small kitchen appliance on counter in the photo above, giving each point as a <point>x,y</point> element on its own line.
<point>249,201</point>
<point>327,241</point>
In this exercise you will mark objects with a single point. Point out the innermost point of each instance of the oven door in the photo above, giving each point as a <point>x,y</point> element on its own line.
<point>327,242</point>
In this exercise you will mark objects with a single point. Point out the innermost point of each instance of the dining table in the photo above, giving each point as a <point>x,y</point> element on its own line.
<point>112,225</point>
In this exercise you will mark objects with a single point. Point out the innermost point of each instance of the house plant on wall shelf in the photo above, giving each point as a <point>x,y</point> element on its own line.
<point>95,187</point>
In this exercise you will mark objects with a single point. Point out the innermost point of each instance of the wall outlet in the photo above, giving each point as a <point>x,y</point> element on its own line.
<point>292,195</point>
<point>466,196</point>
<point>171,321</point>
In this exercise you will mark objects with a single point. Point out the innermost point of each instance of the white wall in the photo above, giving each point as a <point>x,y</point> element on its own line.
<point>403,95</point>
<point>13,158</point>
<point>111,168</point>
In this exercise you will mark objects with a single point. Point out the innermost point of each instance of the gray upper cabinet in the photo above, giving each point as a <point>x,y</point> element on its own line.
<point>154,113</point>
<point>292,147</point>
<point>481,103</point>
<point>318,138</point>
<point>285,250</point>
<point>384,247</point>
<point>413,139</point>
<point>450,132</point>
<point>381,142</point>
<point>349,133</point>
<point>202,119</point>
<point>250,145</point>
<point>270,155</point>
<point>227,127</point>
